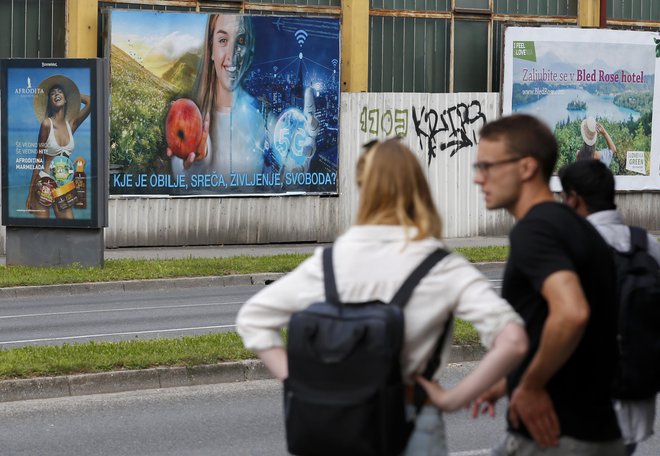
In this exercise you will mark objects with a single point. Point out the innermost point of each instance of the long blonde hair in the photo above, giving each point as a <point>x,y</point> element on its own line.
<point>205,84</point>
<point>394,190</point>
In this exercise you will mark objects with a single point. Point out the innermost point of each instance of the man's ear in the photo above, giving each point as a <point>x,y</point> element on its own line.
<point>581,205</point>
<point>530,167</point>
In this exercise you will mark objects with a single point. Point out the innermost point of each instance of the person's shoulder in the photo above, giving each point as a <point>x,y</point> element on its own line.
<point>542,217</point>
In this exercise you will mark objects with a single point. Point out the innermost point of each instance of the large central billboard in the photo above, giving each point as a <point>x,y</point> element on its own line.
<point>223,104</point>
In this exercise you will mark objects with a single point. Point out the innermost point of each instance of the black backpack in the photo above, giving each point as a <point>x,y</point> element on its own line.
<point>638,286</point>
<point>344,394</point>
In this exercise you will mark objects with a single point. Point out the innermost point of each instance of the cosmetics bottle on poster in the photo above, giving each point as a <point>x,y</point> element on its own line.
<point>80,178</point>
<point>44,189</point>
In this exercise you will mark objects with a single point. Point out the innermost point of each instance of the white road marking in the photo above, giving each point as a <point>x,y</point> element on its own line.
<point>130,333</point>
<point>123,309</point>
<point>470,453</point>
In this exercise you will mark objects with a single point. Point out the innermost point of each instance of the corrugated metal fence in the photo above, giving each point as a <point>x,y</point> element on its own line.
<point>440,128</point>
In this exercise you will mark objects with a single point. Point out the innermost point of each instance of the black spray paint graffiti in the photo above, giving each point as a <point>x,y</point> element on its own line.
<point>458,124</point>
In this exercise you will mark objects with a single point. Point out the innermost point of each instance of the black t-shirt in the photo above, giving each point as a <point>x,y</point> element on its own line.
<point>550,238</point>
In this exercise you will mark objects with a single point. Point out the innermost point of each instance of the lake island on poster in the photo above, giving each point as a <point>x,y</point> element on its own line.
<point>223,104</point>
<point>596,89</point>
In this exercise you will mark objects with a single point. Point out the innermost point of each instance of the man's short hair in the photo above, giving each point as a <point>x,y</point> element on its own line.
<point>525,136</point>
<point>591,180</point>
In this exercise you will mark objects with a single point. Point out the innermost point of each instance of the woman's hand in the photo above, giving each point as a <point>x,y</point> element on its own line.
<point>200,152</point>
<point>610,144</point>
<point>438,396</point>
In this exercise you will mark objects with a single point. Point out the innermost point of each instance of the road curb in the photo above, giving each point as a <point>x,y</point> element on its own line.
<point>138,285</point>
<point>159,377</point>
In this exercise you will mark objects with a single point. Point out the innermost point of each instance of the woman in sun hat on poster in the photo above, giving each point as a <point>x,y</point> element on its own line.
<point>57,106</point>
<point>590,130</point>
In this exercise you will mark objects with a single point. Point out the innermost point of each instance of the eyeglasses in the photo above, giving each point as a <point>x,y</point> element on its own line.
<point>484,166</point>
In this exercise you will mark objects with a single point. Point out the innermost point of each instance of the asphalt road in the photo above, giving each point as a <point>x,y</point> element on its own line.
<point>225,419</point>
<point>119,316</point>
<point>55,320</point>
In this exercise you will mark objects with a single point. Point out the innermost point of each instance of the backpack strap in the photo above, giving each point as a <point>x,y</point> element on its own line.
<point>401,299</point>
<point>402,296</point>
<point>329,282</point>
<point>638,239</point>
<point>432,365</point>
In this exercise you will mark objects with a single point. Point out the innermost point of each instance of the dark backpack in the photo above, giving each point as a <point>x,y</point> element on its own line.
<point>344,394</point>
<point>638,286</point>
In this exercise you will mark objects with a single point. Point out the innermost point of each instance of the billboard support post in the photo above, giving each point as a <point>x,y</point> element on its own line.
<point>54,246</point>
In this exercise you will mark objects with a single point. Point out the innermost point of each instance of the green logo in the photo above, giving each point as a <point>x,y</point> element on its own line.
<point>657,48</point>
<point>524,50</point>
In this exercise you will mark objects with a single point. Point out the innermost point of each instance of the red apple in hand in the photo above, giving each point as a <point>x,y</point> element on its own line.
<point>183,128</point>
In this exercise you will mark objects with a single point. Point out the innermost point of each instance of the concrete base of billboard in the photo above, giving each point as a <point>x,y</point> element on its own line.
<point>54,246</point>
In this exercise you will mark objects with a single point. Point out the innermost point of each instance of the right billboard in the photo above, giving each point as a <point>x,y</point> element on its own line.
<point>596,90</point>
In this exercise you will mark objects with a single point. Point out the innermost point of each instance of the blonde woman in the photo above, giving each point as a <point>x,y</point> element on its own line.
<point>397,228</point>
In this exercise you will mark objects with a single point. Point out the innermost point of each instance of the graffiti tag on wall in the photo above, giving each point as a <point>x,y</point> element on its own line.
<point>451,130</point>
<point>391,121</point>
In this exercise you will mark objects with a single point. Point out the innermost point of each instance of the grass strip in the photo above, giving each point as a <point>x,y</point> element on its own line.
<point>129,269</point>
<point>39,361</point>
<point>135,354</point>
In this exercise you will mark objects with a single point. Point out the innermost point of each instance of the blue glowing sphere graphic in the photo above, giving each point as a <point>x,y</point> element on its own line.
<point>290,133</point>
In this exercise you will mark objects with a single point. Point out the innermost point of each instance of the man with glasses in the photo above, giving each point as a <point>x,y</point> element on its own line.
<point>560,278</point>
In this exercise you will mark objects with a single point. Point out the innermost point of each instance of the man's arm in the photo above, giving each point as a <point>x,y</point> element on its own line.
<point>567,318</point>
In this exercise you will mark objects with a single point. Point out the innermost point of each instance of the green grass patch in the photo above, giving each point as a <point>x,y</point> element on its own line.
<point>12,276</point>
<point>40,361</point>
<point>484,254</point>
<point>465,334</point>
<point>105,356</point>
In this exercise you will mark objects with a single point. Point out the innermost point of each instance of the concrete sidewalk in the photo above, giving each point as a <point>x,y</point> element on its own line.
<point>222,251</point>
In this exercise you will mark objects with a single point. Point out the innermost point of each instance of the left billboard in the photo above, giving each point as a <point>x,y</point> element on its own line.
<point>53,143</point>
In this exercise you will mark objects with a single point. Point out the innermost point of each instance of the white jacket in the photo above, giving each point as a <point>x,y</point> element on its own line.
<point>371,262</point>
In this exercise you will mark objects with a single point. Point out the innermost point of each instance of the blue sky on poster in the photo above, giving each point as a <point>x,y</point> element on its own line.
<point>153,38</point>
<point>21,106</point>
<point>599,55</point>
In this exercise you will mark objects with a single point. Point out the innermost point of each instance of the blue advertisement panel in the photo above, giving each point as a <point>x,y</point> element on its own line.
<point>596,89</point>
<point>223,104</point>
<point>49,142</point>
